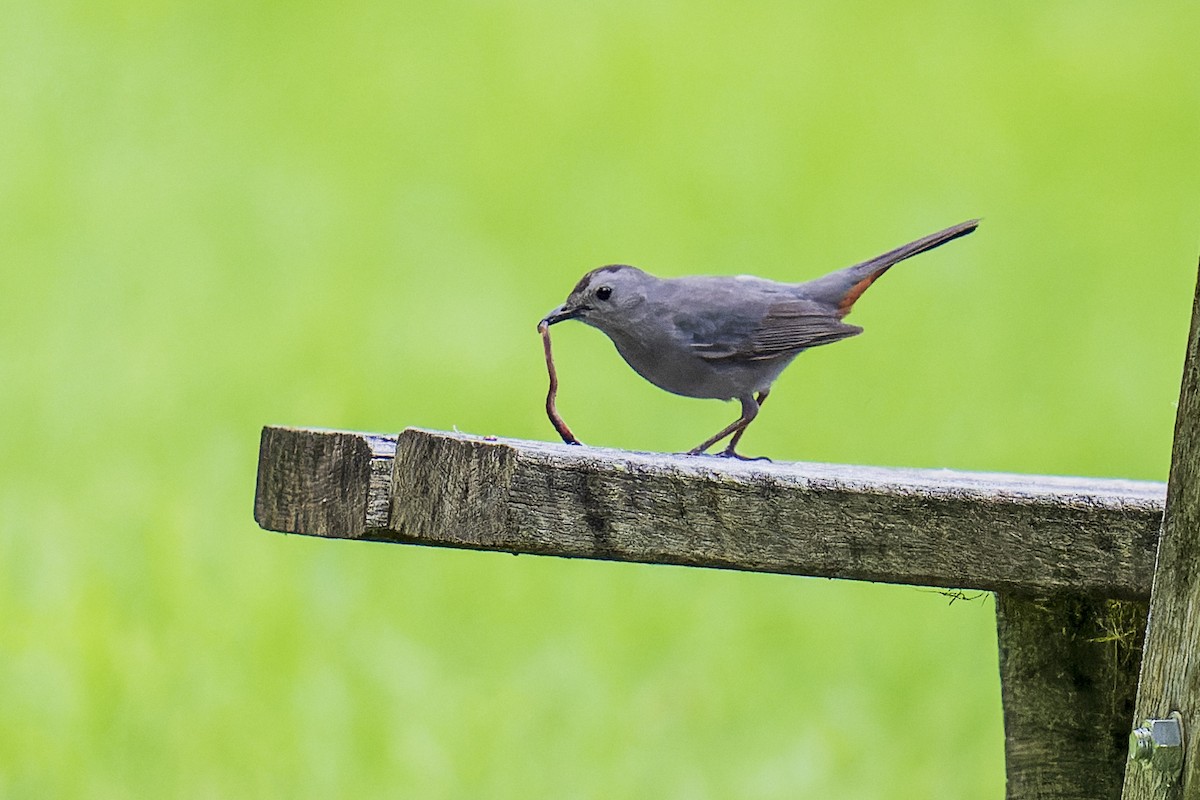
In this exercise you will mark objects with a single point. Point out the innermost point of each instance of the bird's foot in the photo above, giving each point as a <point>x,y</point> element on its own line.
<point>728,452</point>
<point>734,454</point>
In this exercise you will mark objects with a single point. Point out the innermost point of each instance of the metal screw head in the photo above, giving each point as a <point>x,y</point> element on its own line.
<point>1158,745</point>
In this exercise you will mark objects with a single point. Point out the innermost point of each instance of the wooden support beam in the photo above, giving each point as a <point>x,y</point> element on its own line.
<point>1068,668</point>
<point>1170,673</point>
<point>1026,535</point>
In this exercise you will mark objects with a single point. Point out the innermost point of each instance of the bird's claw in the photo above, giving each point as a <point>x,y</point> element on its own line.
<point>730,453</point>
<point>727,453</point>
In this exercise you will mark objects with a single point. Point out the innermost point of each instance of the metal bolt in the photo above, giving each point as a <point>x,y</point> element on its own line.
<point>1158,745</point>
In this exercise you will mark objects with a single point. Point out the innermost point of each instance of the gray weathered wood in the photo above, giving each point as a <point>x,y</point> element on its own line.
<point>1022,534</point>
<point>1068,674</point>
<point>323,483</point>
<point>1170,673</point>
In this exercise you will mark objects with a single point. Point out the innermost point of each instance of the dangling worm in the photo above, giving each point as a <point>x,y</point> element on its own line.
<point>551,409</point>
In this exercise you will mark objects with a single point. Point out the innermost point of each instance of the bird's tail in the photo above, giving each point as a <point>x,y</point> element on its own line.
<point>845,286</point>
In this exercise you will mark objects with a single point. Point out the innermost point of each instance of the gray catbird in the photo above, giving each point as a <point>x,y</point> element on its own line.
<point>725,337</point>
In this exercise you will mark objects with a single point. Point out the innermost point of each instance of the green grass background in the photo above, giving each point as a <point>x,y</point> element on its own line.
<point>215,216</point>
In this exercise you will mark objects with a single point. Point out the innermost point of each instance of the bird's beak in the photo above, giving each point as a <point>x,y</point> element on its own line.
<point>563,312</point>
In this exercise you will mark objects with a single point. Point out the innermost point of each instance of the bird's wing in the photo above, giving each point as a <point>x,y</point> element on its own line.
<point>787,327</point>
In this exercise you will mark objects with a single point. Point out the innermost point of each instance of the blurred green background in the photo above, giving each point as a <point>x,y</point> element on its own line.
<point>215,216</point>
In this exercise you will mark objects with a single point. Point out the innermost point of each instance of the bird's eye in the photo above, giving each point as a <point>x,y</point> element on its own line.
<point>604,292</point>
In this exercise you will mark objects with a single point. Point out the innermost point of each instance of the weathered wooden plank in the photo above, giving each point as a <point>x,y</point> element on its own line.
<point>1012,533</point>
<point>1068,674</point>
<point>323,483</point>
<point>1170,674</point>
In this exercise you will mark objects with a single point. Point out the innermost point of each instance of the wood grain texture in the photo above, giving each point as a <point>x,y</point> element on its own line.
<point>1068,675</point>
<point>1170,673</point>
<point>323,483</point>
<point>1023,534</point>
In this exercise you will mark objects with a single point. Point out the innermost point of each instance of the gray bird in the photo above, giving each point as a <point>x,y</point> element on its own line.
<point>722,337</point>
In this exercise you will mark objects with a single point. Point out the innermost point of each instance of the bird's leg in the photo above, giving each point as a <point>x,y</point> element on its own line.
<point>730,451</point>
<point>749,411</point>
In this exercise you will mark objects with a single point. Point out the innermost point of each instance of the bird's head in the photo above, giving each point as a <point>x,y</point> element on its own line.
<point>604,298</point>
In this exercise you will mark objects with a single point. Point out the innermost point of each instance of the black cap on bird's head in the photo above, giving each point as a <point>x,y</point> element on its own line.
<point>597,291</point>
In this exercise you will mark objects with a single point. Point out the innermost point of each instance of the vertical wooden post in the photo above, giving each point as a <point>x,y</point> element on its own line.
<point>1067,669</point>
<point>1170,675</point>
